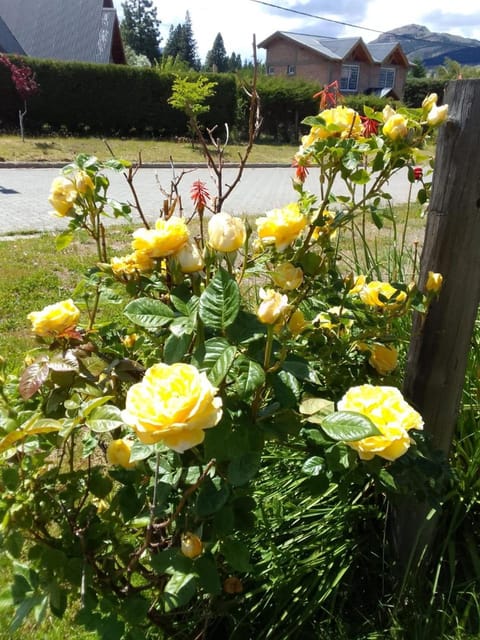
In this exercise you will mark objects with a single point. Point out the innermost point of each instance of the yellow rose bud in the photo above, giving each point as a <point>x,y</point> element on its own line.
<point>167,238</point>
<point>173,404</point>
<point>189,258</point>
<point>429,101</point>
<point>281,226</point>
<point>383,358</point>
<point>191,545</point>
<point>130,340</point>
<point>83,182</point>
<point>437,115</point>
<point>55,319</point>
<point>434,282</point>
<point>118,453</point>
<point>63,194</point>
<point>273,306</point>
<point>388,112</point>
<point>226,233</point>
<point>390,413</point>
<point>287,276</point>
<point>395,127</point>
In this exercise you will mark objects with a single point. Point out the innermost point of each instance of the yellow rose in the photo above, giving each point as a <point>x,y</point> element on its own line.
<point>226,233</point>
<point>395,127</point>
<point>167,238</point>
<point>340,122</point>
<point>388,112</point>
<point>383,358</point>
<point>287,276</point>
<point>173,404</point>
<point>381,294</point>
<point>129,340</point>
<point>55,319</point>
<point>129,267</point>
<point>63,194</point>
<point>281,226</point>
<point>434,282</point>
<point>273,306</point>
<point>189,258</point>
<point>297,323</point>
<point>390,413</point>
<point>118,453</point>
<point>437,115</point>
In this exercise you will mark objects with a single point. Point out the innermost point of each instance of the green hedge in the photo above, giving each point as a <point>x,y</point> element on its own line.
<point>417,88</point>
<point>108,99</point>
<point>120,100</point>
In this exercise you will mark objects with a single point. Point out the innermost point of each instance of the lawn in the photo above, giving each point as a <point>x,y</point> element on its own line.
<point>64,149</point>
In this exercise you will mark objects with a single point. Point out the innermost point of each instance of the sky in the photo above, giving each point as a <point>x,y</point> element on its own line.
<point>239,20</point>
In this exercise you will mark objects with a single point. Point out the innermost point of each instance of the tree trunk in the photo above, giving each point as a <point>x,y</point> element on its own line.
<point>440,341</point>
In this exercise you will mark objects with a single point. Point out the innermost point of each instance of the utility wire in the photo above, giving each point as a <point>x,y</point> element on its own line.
<point>356,26</point>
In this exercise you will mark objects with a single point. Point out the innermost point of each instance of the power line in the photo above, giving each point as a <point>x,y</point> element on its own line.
<point>356,26</point>
<point>311,15</point>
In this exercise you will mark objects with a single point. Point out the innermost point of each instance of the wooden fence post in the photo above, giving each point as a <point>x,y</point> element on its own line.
<point>440,342</point>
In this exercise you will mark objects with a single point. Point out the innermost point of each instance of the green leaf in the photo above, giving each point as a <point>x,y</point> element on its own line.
<point>314,121</point>
<point>242,469</point>
<point>249,376</point>
<point>208,578</point>
<point>104,419</point>
<point>220,302</point>
<point>212,496</point>
<point>148,313</point>
<point>99,484</point>
<point>176,347</point>
<point>360,177</point>
<point>237,555</point>
<point>64,239</point>
<point>221,367</point>
<point>348,426</point>
<point>287,389</point>
<point>314,466</point>
<point>179,590</point>
<point>422,196</point>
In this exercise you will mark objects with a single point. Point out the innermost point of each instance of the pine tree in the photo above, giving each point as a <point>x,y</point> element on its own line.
<point>140,28</point>
<point>216,58</point>
<point>181,44</point>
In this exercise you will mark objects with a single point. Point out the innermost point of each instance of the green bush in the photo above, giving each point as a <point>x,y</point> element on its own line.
<point>108,99</point>
<point>417,88</point>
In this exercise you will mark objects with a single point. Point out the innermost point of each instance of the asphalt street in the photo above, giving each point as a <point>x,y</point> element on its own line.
<point>24,205</point>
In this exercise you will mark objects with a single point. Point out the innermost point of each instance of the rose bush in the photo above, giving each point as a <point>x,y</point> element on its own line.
<point>135,439</point>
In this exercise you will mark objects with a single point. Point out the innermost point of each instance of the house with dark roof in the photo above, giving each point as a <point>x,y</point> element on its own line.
<point>358,67</point>
<point>74,30</point>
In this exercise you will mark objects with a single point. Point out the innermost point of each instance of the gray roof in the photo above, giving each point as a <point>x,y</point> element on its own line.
<point>80,30</point>
<point>8,42</point>
<point>335,48</point>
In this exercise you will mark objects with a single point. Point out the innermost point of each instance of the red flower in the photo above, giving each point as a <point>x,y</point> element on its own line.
<point>330,95</point>
<point>418,173</point>
<point>200,196</point>
<point>369,126</point>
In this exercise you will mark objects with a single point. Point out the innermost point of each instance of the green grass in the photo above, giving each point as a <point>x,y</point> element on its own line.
<point>32,275</point>
<point>58,149</point>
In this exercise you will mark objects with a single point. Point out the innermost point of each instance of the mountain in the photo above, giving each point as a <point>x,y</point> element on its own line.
<point>432,47</point>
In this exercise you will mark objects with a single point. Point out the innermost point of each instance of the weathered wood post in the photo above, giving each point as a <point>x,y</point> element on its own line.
<point>440,342</point>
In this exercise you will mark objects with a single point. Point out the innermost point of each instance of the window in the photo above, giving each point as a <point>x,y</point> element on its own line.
<point>386,79</point>
<point>291,70</point>
<point>349,79</point>
<point>270,71</point>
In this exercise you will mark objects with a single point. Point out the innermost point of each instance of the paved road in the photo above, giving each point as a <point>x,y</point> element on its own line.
<point>24,193</point>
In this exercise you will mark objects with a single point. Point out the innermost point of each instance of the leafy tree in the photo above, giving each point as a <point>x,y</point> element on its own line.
<point>140,28</point>
<point>453,70</point>
<point>235,62</point>
<point>216,58</point>
<point>135,59</point>
<point>418,70</point>
<point>181,44</point>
